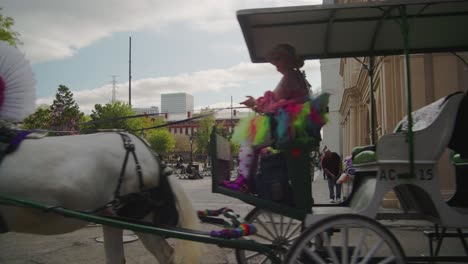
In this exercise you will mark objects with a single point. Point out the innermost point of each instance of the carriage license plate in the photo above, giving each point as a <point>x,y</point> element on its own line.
<point>422,174</point>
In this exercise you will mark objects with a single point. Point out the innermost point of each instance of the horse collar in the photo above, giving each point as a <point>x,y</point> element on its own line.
<point>130,148</point>
<point>10,139</point>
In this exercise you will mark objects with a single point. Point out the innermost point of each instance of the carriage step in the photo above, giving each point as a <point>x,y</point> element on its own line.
<point>438,237</point>
<point>434,235</point>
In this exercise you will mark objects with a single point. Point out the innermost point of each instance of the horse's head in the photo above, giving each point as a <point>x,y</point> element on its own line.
<point>141,167</point>
<point>157,198</point>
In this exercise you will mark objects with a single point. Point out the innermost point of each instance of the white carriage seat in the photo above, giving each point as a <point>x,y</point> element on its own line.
<point>432,122</point>
<point>433,127</point>
<point>422,117</point>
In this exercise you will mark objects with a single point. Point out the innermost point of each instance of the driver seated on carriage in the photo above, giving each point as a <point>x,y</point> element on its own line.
<point>285,114</point>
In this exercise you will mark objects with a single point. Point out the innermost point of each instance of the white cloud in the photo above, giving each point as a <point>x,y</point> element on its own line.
<point>146,92</point>
<point>56,29</point>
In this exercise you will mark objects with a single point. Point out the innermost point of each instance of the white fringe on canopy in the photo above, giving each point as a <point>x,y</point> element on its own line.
<point>19,95</point>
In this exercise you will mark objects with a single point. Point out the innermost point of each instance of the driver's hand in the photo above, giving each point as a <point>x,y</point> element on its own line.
<point>250,102</point>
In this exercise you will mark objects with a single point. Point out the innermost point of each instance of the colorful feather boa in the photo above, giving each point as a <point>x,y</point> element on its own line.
<point>293,120</point>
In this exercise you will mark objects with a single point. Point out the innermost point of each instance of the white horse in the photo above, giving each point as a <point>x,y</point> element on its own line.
<point>84,173</point>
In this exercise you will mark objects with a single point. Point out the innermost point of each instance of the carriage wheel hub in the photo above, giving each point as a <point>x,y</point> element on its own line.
<point>282,243</point>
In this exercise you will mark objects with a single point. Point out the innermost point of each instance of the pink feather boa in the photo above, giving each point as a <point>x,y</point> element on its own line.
<point>269,104</point>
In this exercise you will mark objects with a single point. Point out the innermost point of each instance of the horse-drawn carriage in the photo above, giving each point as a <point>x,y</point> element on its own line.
<point>290,227</point>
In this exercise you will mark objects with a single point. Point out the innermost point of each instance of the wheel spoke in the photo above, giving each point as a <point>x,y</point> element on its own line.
<point>372,251</point>
<point>388,259</point>
<point>264,237</point>
<point>292,238</point>
<point>345,248</point>
<point>281,225</point>
<point>252,255</point>
<point>296,228</point>
<point>275,229</point>
<point>289,226</point>
<point>311,254</point>
<point>331,252</point>
<point>265,258</point>
<point>260,222</point>
<point>358,248</point>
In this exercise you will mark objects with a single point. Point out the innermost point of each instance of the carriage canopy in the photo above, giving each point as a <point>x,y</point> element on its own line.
<point>357,30</point>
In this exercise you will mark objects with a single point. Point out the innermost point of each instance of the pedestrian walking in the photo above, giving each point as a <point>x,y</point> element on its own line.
<point>321,158</point>
<point>332,166</point>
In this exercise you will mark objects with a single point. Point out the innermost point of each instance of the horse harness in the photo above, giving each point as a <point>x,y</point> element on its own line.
<point>130,149</point>
<point>10,139</point>
<point>137,205</point>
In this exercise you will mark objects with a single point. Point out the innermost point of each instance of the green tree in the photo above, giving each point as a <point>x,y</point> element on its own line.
<point>6,32</point>
<point>182,143</point>
<point>107,117</point>
<point>39,119</point>
<point>65,112</point>
<point>110,116</point>
<point>160,139</point>
<point>205,125</point>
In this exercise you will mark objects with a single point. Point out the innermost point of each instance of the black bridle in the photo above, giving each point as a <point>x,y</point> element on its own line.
<point>130,149</point>
<point>139,204</point>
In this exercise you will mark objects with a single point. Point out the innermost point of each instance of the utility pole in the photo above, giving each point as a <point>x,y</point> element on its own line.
<point>130,71</point>
<point>232,125</point>
<point>113,87</point>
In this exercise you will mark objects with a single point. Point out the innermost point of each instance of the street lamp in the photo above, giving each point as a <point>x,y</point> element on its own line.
<point>191,138</point>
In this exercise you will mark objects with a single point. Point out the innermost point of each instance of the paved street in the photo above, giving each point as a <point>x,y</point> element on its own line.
<point>81,246</point>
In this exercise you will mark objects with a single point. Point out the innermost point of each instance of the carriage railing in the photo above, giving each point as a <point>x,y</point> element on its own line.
<point>146,227</point>
<point>299,173</point>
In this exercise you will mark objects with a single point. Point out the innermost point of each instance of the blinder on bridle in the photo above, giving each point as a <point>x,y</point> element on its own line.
<point>137,205</point>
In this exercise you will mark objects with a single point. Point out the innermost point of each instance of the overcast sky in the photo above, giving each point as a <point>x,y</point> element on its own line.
<point>177,46</point>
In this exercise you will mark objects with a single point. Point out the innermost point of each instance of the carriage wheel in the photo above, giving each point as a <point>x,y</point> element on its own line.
<point>273,229</point>
<point>346,239</point>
